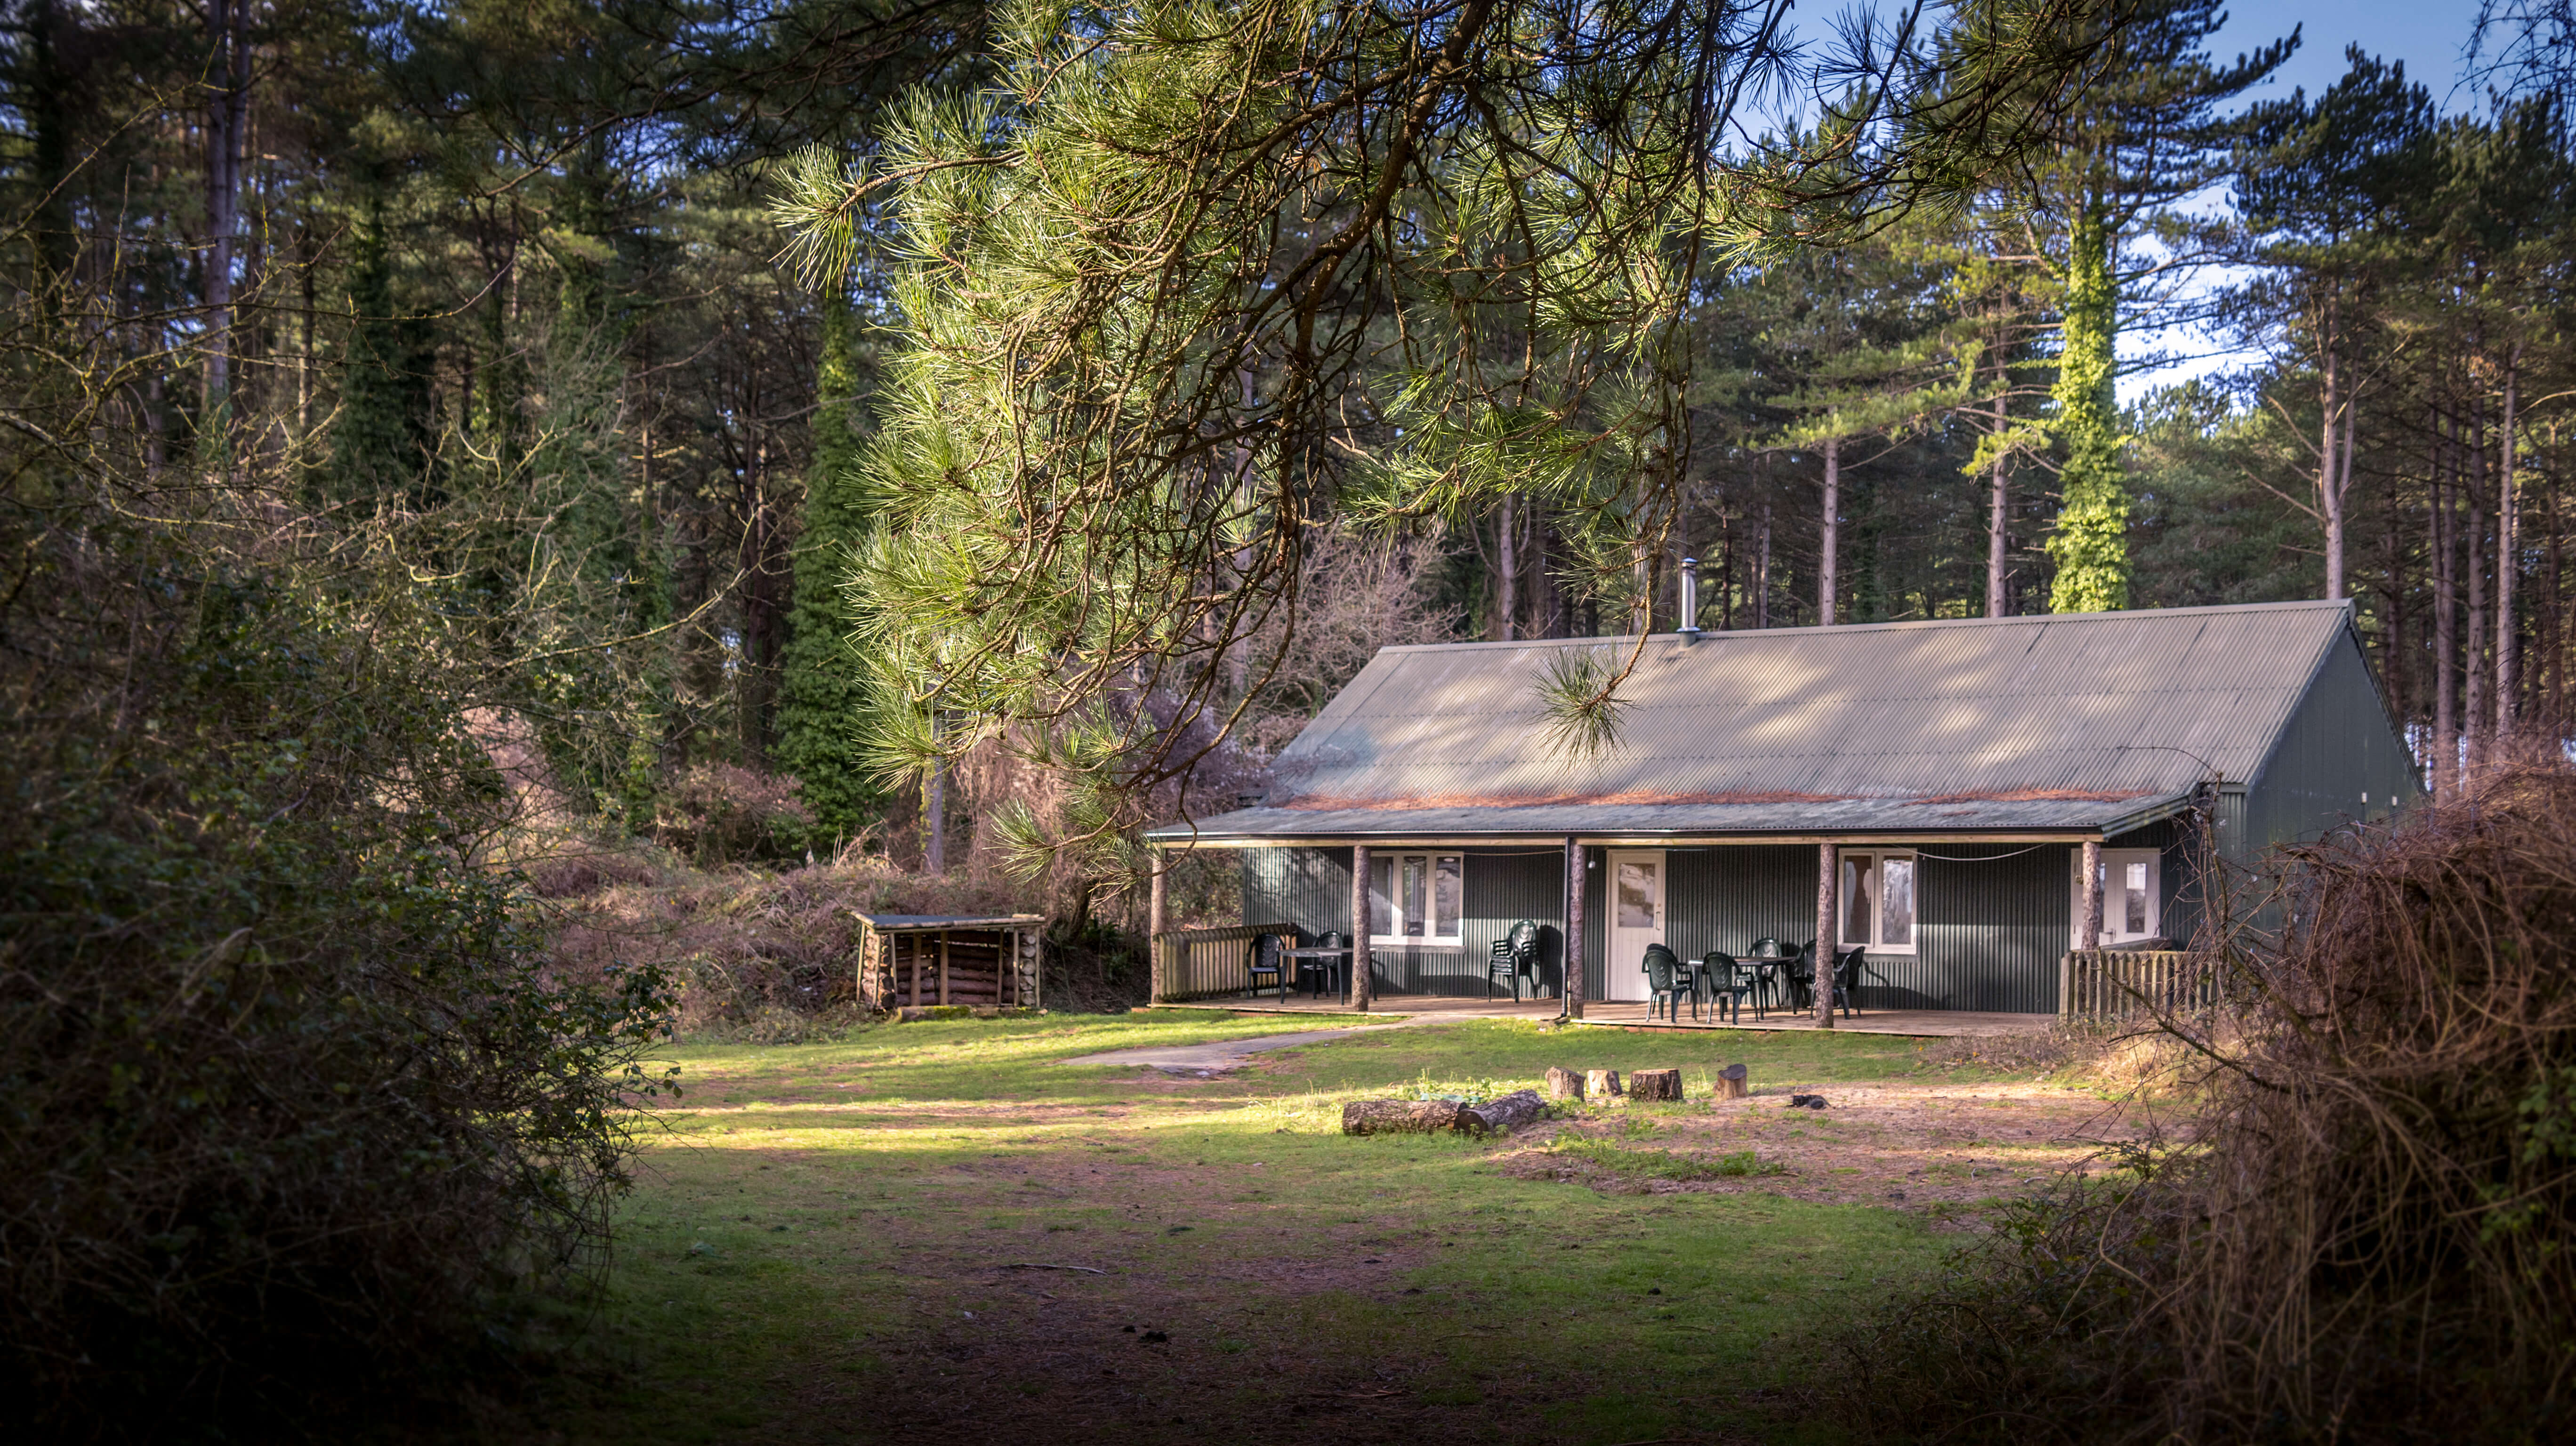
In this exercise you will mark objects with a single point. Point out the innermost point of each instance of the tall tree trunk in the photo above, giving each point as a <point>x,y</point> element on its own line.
<point>1998,516</point>
<point>45,102</point>
<point>226,114</point>
<point>2474,704</point>
<point>2554,616</point>
<point>2508,556</point>
<point>2396,664</point>
<point>1762,574</point>
<point>934,809</point>
<point>1508,604</point>
<point>1831,539</point>
<point>2446,611</point>
<point>763,616</point>
<point>1238,650</point>
<point>2329,491</point>
<point>1725,569</point>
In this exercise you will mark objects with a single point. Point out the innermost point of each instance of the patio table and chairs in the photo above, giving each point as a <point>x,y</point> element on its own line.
<point>1770,965</point>
<point>1321,962</point>
<point>1798,974</point>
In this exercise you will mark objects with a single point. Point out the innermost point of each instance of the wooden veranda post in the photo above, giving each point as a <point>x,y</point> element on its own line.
<point>2089,936</point>
<point>1826,936</point>
<point>1573,929</point>
<point>1159,899</point>
<point>1360,927</point>
<point>943,966</point>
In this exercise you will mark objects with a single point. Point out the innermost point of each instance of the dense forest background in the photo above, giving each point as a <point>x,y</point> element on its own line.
<point>495,289</point>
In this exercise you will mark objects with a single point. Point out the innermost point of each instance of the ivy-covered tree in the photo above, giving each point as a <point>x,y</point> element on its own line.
<point>2150,136</point>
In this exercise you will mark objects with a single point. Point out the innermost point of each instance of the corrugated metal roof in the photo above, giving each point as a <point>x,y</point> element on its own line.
<point>2063,722</point>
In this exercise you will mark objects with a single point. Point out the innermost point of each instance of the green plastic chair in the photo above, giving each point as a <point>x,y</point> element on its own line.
<point>1726,981</point>
<point>1664,985</point>
<point>1263,959</point>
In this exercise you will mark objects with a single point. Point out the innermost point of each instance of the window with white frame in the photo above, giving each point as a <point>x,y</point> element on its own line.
<point>2132,896</point>
<point>1416,898</point>
<point>1877,901</point>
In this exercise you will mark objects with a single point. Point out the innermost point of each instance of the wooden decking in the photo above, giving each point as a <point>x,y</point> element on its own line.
<point>1922,1022</point>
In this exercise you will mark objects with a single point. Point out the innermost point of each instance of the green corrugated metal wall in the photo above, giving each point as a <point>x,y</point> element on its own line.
<point>1311,888</point>
<point>1990,927</point>
<point>2339,759</point>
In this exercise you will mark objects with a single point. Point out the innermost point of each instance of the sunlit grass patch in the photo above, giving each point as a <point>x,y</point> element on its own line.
<point>967,1186</point>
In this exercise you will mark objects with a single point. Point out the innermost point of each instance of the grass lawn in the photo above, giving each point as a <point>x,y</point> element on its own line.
<point>844,1242</point>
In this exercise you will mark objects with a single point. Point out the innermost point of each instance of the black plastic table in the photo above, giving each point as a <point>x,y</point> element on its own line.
<point>1331,959</point>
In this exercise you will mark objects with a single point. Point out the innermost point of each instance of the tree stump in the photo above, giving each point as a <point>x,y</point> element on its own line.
<point>1731,1083</point>
<point>1655,1084</point>
<point>1399,1117</point>
<point>1502,1116</point>
<point>1563,1084</point>
<point>1602,1084</point>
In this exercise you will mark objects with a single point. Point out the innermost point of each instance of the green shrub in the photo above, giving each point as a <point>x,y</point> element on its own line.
<point>290,1115</point>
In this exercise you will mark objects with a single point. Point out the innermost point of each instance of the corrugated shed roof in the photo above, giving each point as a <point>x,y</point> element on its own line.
<point>2063,722</point>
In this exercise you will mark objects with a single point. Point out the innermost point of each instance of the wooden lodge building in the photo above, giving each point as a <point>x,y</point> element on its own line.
<point>1946,778</point>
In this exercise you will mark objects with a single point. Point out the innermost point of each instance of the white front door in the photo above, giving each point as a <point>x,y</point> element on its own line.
<point>1636,903</point>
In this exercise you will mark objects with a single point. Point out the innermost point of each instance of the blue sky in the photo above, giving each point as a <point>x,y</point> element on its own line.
<point>2431,36</point>
<point>2427,34</point>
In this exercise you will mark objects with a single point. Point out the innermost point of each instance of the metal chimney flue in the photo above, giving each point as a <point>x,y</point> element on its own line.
<point>1688,626</point>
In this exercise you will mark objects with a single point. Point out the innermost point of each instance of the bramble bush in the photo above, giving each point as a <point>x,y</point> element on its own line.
<point>2367,1231</point>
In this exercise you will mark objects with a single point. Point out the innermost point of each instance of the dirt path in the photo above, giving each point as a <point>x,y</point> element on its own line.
<point>1911,1144</point>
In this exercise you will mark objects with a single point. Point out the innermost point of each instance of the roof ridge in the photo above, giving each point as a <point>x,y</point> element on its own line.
<point>2344,605</point>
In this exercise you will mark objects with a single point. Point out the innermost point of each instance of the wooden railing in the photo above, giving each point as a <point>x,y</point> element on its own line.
<point>2120,983</point>
<point>1206,963</point>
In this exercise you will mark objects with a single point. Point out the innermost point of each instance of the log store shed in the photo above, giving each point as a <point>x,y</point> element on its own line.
<point>986,961</point>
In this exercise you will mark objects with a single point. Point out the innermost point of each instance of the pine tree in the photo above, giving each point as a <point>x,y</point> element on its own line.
<point>380,443</point>
<point>820,696</point>
<point>1105,457</point>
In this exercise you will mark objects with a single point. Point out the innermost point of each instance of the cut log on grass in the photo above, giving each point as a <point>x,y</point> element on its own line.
<point>1602,1084</point>
<point>1655,1084</point>
<point>1398,1117</point>
<point>1731,1083</point>
<point>1502,1116</point>
<point>1563,1084</point>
